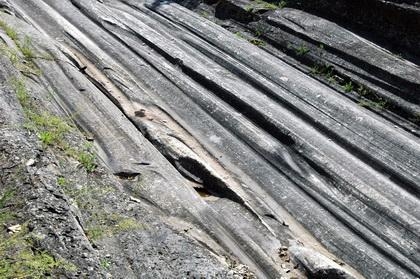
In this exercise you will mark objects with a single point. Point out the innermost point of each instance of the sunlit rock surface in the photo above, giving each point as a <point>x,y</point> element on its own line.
<point>210,139</point>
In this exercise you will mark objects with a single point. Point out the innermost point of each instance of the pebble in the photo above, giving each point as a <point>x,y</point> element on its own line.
<point>14,229</point>
<point>133,199</point>
<point>30,162</point>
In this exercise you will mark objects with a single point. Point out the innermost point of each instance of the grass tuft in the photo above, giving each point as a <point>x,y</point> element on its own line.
<point>109,225</point>
<point>62,181</point>
<point>87,160</point>
<point>302,50</point>
<point>27,49</point>
<point>9,30</point>
<point>257,42</point>
<point>348,87</point>
<point>19,259</point>
<point>51,130</point>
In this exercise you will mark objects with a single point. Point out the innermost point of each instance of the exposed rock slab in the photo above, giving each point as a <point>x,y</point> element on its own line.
<point>222,152</point>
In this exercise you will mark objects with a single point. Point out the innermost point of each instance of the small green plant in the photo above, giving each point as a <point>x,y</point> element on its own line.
<point>329,75</point>
<point>6,197</point>
<point>261,4</point>
<point>24,64</point>
<point>27,49</point>
<point>315,69</point>
<point>9,30</point>
<point>205,14</point>
<point>378,104</point>
<point>111,224</point>
<point>95,232</point>
<point>20,62</point>
<point>128,224</point>
<point>46,137</point>
<point>348,87</point>
<point>62,181</point>
<point>302,50</point>
<point>257,42</point>
<point>266,5</point>
<point>327,72</point>
<point>6,217</point>
<point>282,4</point>
<point>51,130</point>
<point>21,92</point>
<point>260,30</point>
<point>240,35</point>
<point>105,264</point>
<point>87,160</point>
<point>331,80</point>
<point>361,90</point>
<point>370,99</point>
<point>20,259</point>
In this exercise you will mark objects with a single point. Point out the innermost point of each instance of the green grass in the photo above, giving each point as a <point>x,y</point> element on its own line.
<point>10,53</point>
<point>27,49</point>
<point>99,223</point>
<point>5,214</point>
<point>87,160</point>
<point>302,50</point>
<point>20,259</point>
<point>367,97</point>
<point>46,137</point>
<point>324,71</point>
<point>9,30</point>
<point>6,217</point>
<point>205,14</point>
<point>260,31</point>
<point>21,92</point>
<point>370,99</point>
<point>348,87</point>
<point>271,6</point>
<point>62,181</point>
<point>257,42</point>
<point>108,225</point>
<point>6,197</point>
<point>105,264</point>
<point>51,129</point>
<point>282,4</point>
<point>261,4</point>
<point>377,104</point>
<point>254,41</point>
<point>96,232</point>
<point>240,35</point>
<point>266,5</point>
<point>128,224</point>
<point>19,61</point>
<point>23,62</point>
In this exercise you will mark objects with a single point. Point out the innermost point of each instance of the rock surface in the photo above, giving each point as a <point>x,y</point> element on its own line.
<point>206,139</point>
